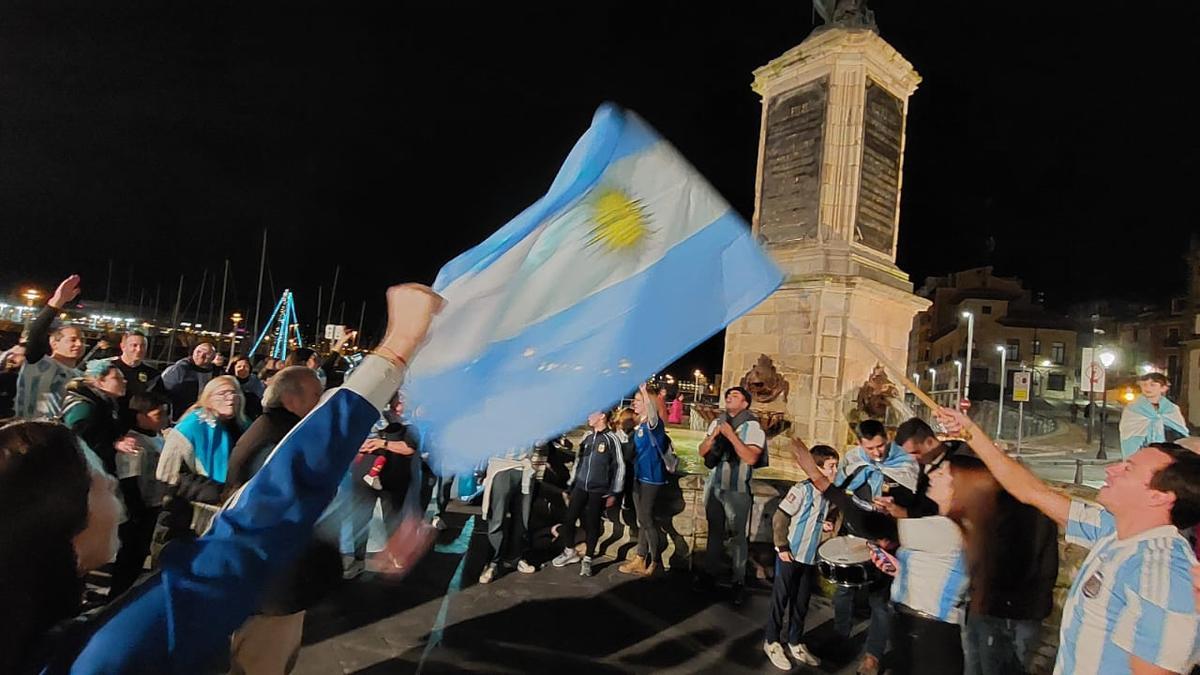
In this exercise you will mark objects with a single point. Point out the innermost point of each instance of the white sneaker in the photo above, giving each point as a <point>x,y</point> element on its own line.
<point>525,568</point>
<point>775,653</point>
<point>801,654</point>
<point>489,573</point>
<point>354,570</point>
<point>438,523</point>
<point>585,568</point>
<point>565,558</point>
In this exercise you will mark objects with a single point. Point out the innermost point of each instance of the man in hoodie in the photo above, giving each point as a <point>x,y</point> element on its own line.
<point>185,379</point>
<point>597,479</point>
<point>51,357</point>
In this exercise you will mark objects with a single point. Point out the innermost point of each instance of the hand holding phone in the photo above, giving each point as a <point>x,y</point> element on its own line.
<point>885,561</point>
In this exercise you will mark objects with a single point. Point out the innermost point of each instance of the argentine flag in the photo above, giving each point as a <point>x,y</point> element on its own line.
<point>629,261</point>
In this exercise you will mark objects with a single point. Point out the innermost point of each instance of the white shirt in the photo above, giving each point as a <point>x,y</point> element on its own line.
<point>932,578</point>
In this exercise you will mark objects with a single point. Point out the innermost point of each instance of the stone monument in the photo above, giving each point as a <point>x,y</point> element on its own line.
<point>827,207</point>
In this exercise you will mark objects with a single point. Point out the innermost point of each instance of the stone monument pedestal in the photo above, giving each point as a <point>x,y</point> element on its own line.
<point>827,209</point>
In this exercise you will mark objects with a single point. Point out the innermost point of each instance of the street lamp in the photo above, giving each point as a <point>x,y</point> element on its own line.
<point>696,393</point>
<point>1003,377</point>
<point>958,382</point>
<point>933,383</point>
<point>970,347</point>
<point>1107,357</point>
<point>236,319</point>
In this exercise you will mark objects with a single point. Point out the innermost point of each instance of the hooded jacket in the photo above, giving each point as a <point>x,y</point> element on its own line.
<point>92,415</point>
<point>183,381</point>
<point>600,468</point>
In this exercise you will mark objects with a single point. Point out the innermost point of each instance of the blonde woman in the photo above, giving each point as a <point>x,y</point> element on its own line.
<point>195,456</point>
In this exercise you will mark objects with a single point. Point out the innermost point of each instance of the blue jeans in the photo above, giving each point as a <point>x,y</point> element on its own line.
<point>877,630</point>
<point>789,596</point>
<point>996,646</point>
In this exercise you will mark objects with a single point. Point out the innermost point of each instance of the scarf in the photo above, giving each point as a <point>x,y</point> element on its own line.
<point>1141,423</point>
<point>722,448</point>
<point>896,464</point>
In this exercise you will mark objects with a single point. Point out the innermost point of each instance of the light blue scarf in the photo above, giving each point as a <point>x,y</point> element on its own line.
<point>896,464</point>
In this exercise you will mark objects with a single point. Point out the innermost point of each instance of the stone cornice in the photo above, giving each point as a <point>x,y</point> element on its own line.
<point>840,45</point>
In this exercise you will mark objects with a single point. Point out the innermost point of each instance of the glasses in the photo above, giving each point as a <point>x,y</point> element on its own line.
<point>225,393</point>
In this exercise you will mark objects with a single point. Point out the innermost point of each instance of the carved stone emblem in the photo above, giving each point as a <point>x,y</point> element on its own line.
<point>873,396</point>
<point>764,382</point>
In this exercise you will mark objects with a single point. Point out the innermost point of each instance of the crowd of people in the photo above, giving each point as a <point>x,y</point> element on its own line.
<point>109,462</point>
<point>103,458</point>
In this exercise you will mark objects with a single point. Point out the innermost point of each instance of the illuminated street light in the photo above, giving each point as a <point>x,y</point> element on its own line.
<point>1003,376</point>
<point>970,347</point>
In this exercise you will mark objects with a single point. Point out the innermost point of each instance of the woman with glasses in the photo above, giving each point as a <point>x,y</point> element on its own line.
<point>195,456</point>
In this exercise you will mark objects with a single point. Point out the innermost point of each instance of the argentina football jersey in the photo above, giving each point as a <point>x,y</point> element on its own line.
<point>1131,596</point>
<point>807,508</point>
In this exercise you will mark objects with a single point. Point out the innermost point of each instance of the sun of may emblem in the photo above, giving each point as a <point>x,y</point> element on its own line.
<point>620,222</point>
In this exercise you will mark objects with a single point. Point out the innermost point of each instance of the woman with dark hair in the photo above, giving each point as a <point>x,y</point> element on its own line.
<point>90,410</point>
<point>942,560</point>
<point>252,387</point>
<point>59,516</point>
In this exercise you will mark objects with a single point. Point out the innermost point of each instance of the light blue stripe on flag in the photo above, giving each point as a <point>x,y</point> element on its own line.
<point>629,261</point>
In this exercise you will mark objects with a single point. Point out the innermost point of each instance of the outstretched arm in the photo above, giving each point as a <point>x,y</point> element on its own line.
<point>178,619</point>
<point>808,464</point>
<point>1013,476</point>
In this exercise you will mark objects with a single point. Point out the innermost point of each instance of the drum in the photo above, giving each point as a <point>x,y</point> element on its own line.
<point>846,561</point>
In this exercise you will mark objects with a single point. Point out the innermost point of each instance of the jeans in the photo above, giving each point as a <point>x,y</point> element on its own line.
<point>508,517</point>
<point>922,645</point>
<point>589,506</point>
<point>649,543</point>
<point>881,615</point>
<point>995,646</point>
<point>362,505</point>
<point>728,514</point>
<point>791,591</point>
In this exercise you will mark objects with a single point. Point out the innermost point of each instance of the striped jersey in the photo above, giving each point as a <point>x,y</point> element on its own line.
<point>733,474</point>
<point>41,386</point>
<point>807,508</point>
<point>932,578</point>
<point>1131,596</point>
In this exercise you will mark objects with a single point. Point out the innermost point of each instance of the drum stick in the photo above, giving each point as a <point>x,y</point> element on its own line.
<point>900,375</point>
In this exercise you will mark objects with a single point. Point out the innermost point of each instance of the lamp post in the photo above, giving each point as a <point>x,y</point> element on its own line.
<point>236,319</point>
<point>933,383</point>
<point>958,382</point>
<point>31,296</point>
<point>1106,359</point>
<point>970,347</point>
<point>1003,378</point>
<point>696,393</point>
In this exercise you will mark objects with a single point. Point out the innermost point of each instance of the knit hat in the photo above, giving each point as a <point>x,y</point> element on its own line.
<point>96,368</point>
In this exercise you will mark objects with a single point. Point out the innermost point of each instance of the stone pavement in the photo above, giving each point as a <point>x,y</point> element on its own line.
<point>440,619</point>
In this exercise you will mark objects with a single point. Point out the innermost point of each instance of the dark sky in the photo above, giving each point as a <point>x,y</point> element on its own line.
<point>388,139</point>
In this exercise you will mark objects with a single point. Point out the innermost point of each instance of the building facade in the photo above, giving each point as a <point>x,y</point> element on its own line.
<point>1005,318</point>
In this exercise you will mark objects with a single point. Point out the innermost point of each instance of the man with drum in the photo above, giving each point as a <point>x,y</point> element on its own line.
<point>875,468</point>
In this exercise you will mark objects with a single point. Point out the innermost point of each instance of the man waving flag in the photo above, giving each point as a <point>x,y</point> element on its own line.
<point>565,309</point>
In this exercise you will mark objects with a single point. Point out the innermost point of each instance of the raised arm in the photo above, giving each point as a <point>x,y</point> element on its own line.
<point>1013,476</point>
<point>39,331</point>
<point>808,464</point>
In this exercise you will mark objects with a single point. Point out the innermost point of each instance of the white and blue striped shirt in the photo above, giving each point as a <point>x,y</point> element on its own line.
<point>807,508</point>
<point>1131,596</point>
<point>932,578</point>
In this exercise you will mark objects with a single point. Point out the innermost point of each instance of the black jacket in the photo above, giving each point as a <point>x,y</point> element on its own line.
<point>99,426</point>
<point>256,444</point>
<point>600,467</point>
<point>1025,564</point>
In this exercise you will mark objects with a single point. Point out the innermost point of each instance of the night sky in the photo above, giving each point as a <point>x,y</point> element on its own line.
<point>1057,145</point>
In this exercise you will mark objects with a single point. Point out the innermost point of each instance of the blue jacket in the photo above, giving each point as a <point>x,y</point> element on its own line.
<point>599,467</point>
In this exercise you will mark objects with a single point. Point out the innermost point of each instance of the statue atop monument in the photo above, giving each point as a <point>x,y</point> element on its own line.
<point>846,14</point>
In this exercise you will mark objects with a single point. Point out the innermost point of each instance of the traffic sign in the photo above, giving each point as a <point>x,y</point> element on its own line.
<point>965,404</point>
<point>1020,392</point>
<point>1091,371</point>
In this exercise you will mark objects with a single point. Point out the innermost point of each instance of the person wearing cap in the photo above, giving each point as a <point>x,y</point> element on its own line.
<point>732,448</point>
<point>90,410</point>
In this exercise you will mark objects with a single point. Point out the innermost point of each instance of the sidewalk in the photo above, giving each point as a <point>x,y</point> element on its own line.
<point>439,619</point>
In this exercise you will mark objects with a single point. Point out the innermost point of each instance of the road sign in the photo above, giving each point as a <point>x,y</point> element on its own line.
<point>1020,392</point>
<point>1091,371</point>
<point>965,404</point>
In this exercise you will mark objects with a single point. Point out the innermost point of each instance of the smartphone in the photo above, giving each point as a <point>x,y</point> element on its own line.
<point>887,566</point>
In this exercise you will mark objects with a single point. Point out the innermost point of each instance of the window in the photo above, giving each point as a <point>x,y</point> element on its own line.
<point>1013,350</point>
<point>1056,382</point>
<point>1058,353</point>
<point>987,309</point>
<point>1037,347</point>
<point>1172,333</point>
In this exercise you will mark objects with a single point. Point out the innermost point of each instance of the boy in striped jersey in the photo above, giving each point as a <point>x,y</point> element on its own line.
<point>1131,607</point>
<point>797,529</point>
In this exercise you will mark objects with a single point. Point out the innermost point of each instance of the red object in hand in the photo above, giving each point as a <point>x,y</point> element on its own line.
<point>372,477</point>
